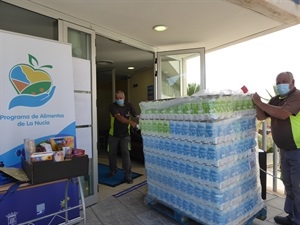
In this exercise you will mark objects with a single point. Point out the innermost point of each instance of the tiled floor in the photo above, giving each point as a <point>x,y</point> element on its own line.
<point>131,209</point>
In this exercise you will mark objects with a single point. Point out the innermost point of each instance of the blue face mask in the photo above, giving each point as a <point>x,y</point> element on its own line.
<point>120,102</point>
<point>283,89</point>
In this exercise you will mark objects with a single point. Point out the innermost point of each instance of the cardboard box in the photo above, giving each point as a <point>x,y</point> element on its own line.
<point>47,171</point>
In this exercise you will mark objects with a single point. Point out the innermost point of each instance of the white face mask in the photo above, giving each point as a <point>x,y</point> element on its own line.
<point>283,89</point>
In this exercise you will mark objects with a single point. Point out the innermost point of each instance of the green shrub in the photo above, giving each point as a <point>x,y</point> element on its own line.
<point>269,142</point>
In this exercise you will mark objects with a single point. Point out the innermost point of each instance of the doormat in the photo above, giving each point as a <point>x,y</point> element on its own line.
<point>103,171</point>
<point>130,189</point>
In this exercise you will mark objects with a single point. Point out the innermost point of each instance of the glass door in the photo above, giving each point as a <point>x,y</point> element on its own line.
<point>180,73</point>
<point>84,75</point>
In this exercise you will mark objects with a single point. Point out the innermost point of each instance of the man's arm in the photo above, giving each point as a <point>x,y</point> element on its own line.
<point>260,114</point>
<point>124,120</point>
<point>274,111</point>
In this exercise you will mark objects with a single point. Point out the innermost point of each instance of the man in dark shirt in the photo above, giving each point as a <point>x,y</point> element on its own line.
<point>119,134</point>
<point>283,110</point>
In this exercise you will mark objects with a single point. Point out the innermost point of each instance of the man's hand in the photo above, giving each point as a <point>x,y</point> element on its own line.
<point>256,99</point>
<point>260,114</point>
<point>133,124</point>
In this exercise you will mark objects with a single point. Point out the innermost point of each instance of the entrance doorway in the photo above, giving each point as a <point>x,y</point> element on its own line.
<point>114,60</point>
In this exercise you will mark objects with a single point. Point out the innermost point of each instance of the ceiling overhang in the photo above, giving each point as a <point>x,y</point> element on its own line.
<point>191,24</point>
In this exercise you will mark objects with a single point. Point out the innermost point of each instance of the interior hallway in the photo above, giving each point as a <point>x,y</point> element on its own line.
<point>131,209</point>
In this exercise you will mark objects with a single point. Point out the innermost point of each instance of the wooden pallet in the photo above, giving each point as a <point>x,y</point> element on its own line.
<point>261,215</point>
<point>184,219</point>
<point>171,212</point>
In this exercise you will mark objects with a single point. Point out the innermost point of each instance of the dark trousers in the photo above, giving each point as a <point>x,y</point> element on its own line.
<point>113,145</point>
<point>290,168</point>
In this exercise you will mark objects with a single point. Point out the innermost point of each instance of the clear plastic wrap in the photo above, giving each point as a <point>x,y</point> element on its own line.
<point>200,155</point>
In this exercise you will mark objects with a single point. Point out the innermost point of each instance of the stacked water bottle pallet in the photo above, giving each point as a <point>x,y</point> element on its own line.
<point>200,157</point>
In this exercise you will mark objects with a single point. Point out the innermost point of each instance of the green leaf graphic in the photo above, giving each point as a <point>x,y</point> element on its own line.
<point>47,66</point>
<point>33,61</point>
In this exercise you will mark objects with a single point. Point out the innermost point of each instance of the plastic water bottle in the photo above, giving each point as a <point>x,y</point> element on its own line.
<point>200,212</point>
<point>194,152</point>
<point>192,131</point>
<point>186,205</point>
<point>187,150</point>
<point>179,148</point>
<point>193,209</point>
<point>172,125</point>
<point>201,132</point>
<point>209,212</point>
<point>197,171</point>
<point>194,103</point>
<point>168,149</point>
<point>203,154</point>
<point>178,129</point>
<point>185,130</point>
<point>166,128</point>
<point>186,109</point>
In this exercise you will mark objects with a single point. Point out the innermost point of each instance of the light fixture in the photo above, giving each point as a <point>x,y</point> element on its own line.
<point>160,28</point>
<point>130,68</point>
<point>105,62</point>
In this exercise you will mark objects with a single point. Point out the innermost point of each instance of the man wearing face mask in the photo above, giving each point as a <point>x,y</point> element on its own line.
<point>283,110</point>
<point>119,137</point>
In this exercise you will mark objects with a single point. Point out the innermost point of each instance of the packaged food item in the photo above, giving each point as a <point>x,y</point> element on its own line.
<point>79,152</point>
<point>67,150</point>
<point>29,148</point>
<point>41,156</point>
<point>47,147</point>
<point>57,143</point>
<point>58,156</point>
<point>74,152</point>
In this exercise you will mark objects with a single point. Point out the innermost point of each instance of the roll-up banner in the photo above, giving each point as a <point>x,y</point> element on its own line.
<point>36,102</point>
<point>36,93</point>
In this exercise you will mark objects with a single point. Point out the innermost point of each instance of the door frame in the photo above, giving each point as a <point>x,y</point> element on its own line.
<point>63,37</point>
<point>201,51</point>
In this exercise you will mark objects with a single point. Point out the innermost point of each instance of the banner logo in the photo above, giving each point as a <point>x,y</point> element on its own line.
<point>12,218</point>
<point>32,84</point>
